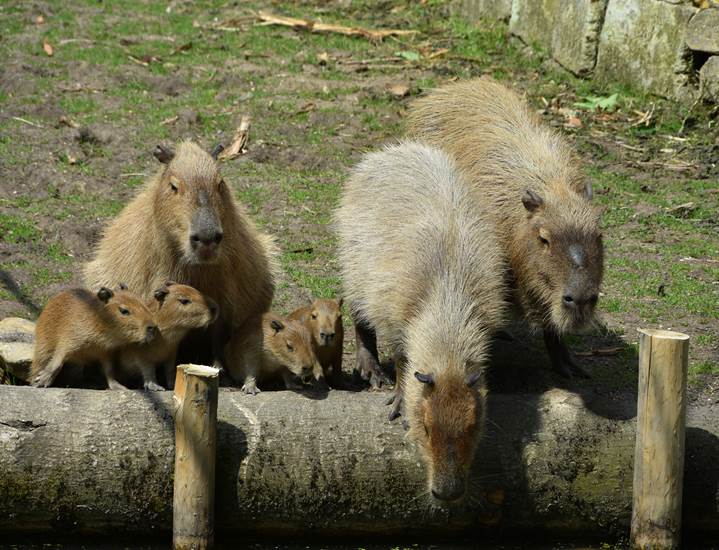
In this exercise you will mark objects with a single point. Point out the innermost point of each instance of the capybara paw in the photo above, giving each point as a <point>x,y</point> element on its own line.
<point>42,380</point>
<point>379,379</point>
<point>153,386</point>
<point>250,389</point>
<point>115,385</point>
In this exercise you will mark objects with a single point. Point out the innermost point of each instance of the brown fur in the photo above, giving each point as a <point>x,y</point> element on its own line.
<point>421,266</point>
<point>287,351</point>
<point>504,150</point>
<point>323,319</point>
<point>150,242</point>
<point>177,309</point>
<point>77,326</point>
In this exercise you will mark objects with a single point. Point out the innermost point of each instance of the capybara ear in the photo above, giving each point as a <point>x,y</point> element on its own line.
<point>170,283</point>
<point>105,294</point>
<point>163,154</point>
<point>216,150</point>
<point>122,286</point>
<point>531,200</point>
<point>160,294</point>
<point>473,378</point>
<point>340,301</point>
<point>277,325</point>
<point>588,192</point>
<point>424,378</point>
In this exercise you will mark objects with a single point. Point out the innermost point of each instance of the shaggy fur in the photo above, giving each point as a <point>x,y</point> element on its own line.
<point>150,243</point>
<point>421,265</point>
<point>553,245</point>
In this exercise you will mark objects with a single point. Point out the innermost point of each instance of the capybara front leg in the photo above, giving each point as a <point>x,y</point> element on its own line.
<point>47,375</point>
<point>109,376</point>
<point>367,356</point>
<point>561,359</point>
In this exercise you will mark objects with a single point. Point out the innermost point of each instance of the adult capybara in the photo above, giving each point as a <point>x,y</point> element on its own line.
<point>177,309</point>
<point>186,226</point>
<point>79,327</point>
<point>323,318</point>
<point>422,270</point>
<point>546,224</point>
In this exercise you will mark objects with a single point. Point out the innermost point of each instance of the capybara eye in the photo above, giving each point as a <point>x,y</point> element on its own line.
<point>544,241</point>
<point>314,316</point>
<point>173,184</point>
<point>185,301</point>
<point>426,431</point>
<point>124,311</point>
<point>289,347</point>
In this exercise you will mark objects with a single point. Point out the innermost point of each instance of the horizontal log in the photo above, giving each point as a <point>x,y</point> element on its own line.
<point>88,461</point>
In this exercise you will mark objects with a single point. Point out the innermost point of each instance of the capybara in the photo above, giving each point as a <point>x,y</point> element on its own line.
<point>547,226</point>
<point>186,226</point>
<point>177,309</point>
<point>79,327</point>
<point>287,351</point>
<point>422,270</point>
<point>323,318</point>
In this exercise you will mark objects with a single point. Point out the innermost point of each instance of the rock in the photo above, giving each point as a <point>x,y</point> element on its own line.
<point>709,78</point>
<point>569,30</point>
<point>643,44</point>
<point>703,31</point>
<point>17,343</point>
<point>485,9</point>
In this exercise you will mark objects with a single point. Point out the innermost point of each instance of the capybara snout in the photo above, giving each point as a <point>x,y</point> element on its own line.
<point>205,229</point>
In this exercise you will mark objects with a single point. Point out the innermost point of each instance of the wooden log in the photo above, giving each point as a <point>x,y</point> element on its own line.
<point>95,462</point>
<point>659,454</point>
<point>193,518</point>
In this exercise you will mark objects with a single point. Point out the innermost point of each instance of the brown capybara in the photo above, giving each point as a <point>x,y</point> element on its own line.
<point>287,351</point>
<point>186,226</point>
<point>177,309</point>
<point>548,229</point>
<point>323,318</point>
<point>422,269</point>
<point>79,327</point>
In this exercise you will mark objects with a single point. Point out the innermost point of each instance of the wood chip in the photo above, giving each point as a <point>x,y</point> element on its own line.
<point>600,351</point>
<point>239,141</point>
<point>170,120</point>
<point>48,48</point>
<point>398,90</point>
<point>375,35</point>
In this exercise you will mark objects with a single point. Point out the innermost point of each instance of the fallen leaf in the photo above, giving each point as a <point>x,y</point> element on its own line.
<point>600,351</point>
<point>182,48</point>
<point>306,108</point>
<point>323,58</point>
<point>682,210</point>
<point>574,122</point>
<point>239,140</point>
<point>398,90</point>
<point>47,47</point>
<point>409,56</point>
<point>170,120</point>
<point>67,121</point>
<point>438,53</point>
<point>39,20</point>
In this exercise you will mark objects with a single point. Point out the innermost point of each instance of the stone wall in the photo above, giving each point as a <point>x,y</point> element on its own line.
<point>666,47</point>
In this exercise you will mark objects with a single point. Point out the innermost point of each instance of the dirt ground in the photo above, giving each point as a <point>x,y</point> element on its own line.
<point>88,88</point>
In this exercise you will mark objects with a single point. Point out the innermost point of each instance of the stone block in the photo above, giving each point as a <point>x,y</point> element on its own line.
<point>643,44</point>
<point>703,31</point>
<point>17,344</point>
<point>568,29</point>
<point>709,78</point>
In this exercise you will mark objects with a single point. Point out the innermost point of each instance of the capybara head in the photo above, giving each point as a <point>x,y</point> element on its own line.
<point>191,202</point>
<point>559,257</point>
<point>183,307</point>
<point>290,343</point>
<point>132,322</point>
<point>325,320</point>
<point>447,422</point>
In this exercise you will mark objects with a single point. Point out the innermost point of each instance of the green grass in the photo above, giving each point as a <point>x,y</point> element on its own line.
<point>17,229</point>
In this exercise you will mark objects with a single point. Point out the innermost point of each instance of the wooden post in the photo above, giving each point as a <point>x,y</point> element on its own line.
<point>659,452</point>
<point>193,521</point>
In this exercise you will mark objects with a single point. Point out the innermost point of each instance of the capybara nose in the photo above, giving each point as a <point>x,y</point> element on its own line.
<point>150,332</point>
<point>214,309</point>
<point>326,337</point>
<point>449,492</point>
<point>568,300</point>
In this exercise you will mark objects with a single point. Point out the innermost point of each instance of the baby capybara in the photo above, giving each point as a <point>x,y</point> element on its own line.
<point>422,269</point>
<point>177,309</point>
<point>323,318</point>
<point>79,327</point>
<point>541,210</point>
<point>186,226</point>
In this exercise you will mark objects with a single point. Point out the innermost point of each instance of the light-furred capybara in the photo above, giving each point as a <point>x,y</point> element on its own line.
<point>80,327</point>
<point>177,309</point>
<point>422,270</point>
<point>323,318</point>
<point>287,352</point>
<point>540,202</point>
<point>186,226</point>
